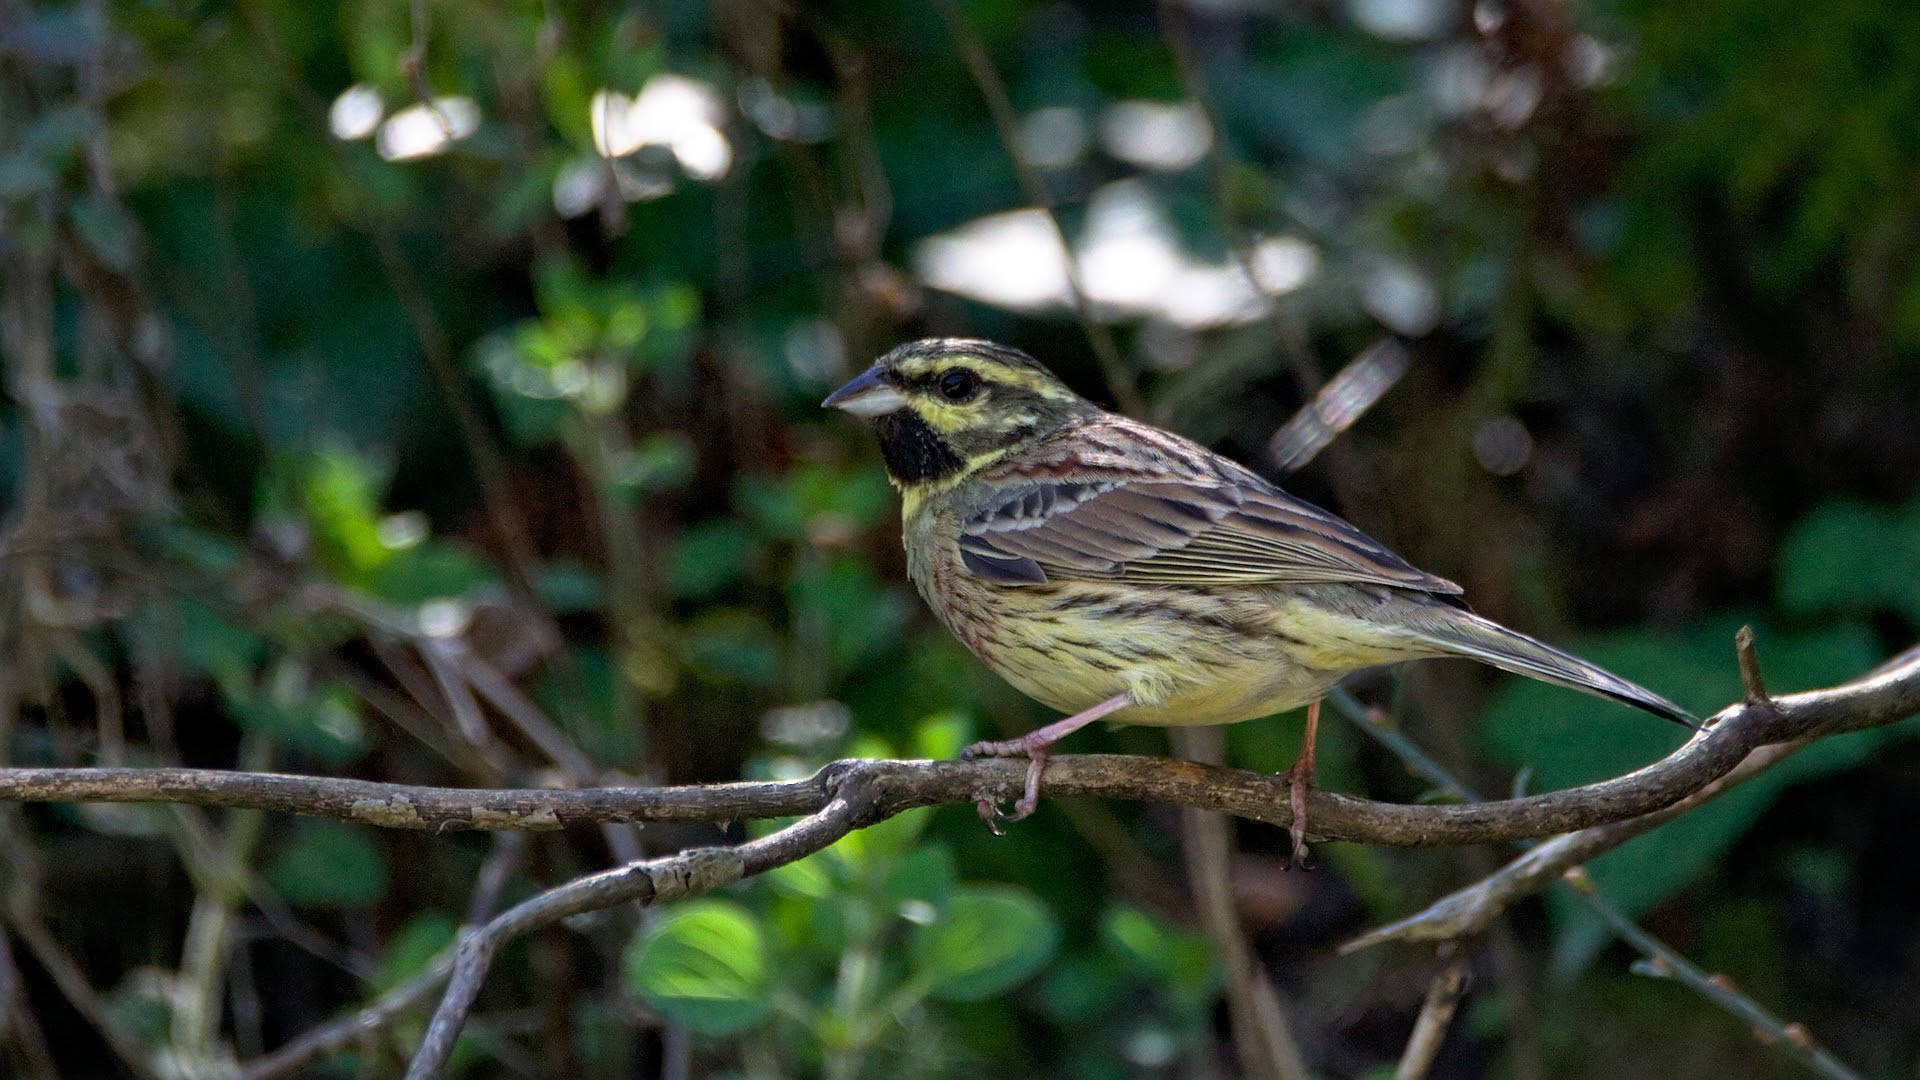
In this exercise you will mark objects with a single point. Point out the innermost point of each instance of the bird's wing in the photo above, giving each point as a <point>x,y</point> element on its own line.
<point>1216,524</point>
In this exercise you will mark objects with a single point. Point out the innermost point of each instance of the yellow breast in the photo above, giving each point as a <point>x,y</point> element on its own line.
<point>1187,655</point>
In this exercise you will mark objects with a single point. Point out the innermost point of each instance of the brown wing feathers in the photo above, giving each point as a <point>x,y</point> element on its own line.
<point>1189,517</point>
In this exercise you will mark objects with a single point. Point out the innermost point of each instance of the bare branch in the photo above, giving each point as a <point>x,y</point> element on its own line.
<point>1731,736</point>
<point>1756,687</point>
<point>847,795</point>
<point>973,51</point>
<point>1436,1015</point>
<point>508,850</point>
<point>1464,913</point>
<point>349,1031</point>
<point>654,881</point>
<point>1663,962</point>
<point>1262,1032</point>
<point>1470,910</point>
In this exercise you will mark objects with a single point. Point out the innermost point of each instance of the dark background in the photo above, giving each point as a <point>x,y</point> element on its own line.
<point>316,420</point>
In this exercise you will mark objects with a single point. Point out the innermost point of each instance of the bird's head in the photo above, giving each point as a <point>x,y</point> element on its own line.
<point>945,407</point>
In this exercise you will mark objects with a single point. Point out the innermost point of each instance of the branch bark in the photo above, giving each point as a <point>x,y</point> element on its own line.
<point>689,873</point>
<point>1731,736</point>
<point>1469,910</point>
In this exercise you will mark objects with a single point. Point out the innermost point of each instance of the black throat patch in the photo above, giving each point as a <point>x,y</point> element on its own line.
<point>914,454</point>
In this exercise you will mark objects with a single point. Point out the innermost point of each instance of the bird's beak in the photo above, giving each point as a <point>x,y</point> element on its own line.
<point>868,395</point>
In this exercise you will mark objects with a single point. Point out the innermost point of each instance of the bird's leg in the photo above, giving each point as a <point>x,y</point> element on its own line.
<point>1035,746</point>
<point>1299,779</point>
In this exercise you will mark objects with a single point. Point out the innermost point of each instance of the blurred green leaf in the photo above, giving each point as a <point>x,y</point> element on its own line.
<point>428,571</point>
<point>1846,557</point>
<point>568,587</point>
<point>286,704</point>
<point>208,643</point>
<point>703,963</point>
<point>843,600</point>
<point>813,498</point>
<point>710,555</point>
<point>424,937</point>
<point>986,940</point>
<point>107,230</point>
<point>1177,963</point>
<point>876,849</point>
<point>732,644</point>
<point>813,878</point>
<point>340,493</point>
<point>328,865</point>
<point>942,736</point>
<point>583,697</point>
<point>659,461</point>
<point>920,883</point>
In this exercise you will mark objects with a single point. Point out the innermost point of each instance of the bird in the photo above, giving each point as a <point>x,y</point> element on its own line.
<point>1109,568</point>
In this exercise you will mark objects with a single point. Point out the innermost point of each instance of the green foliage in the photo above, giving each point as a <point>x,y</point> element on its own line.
<point>1180,965</point>
<point>328,865</point>
<point>1849,557</point>
<point>424,937</point>
<point>711,555</point>
<point>853,948</point>
<point>703,963</point>
<point>1842,560</point>
<point>981,942</point>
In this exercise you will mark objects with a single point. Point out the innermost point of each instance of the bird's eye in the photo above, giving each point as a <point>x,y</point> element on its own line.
<point>958,384</point>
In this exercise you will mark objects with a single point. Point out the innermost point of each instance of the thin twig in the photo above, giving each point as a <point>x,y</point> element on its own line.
<point>350,1030</point>
<point>18,1026</point>
<point>508,850</point>
<point>655,881</point>
<point>1662,962</point>
<point>1473,908</point>
<point>1126,395</point>
<point>1756,687</point>
<point>1530,872</point>
<point>1436,1015</point>
<point>1262,1033</point>
<point>72,982</point>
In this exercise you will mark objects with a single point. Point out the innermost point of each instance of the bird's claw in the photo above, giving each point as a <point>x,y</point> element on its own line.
<point>990,813</point>
<point>997,818</point>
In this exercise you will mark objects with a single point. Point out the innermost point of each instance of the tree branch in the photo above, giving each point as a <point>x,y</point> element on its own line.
<point>1469,910</point>
<point>1875,700</point>
<point>848,795</point>
<point>689,873</point>
<point>1449,985</point>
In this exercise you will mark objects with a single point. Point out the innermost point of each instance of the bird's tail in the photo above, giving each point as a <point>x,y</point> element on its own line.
<point>1462,633</point>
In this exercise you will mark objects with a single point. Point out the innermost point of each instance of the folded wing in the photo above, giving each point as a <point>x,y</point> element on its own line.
<point>1211,526</point>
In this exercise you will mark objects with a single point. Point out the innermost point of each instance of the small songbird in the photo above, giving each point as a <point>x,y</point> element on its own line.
<point>1105,567</point>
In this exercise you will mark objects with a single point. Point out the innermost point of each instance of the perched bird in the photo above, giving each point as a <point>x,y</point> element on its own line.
<point>1108,568</point>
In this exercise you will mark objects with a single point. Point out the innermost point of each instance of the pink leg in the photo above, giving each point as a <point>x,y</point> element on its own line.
<point>1034,746</point>
<point>1299,779</point>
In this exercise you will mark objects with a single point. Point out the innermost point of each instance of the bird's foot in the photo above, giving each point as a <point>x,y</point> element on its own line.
<point>1034,746</point>
<point>1299,782</point>
<point>1036,754</point>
